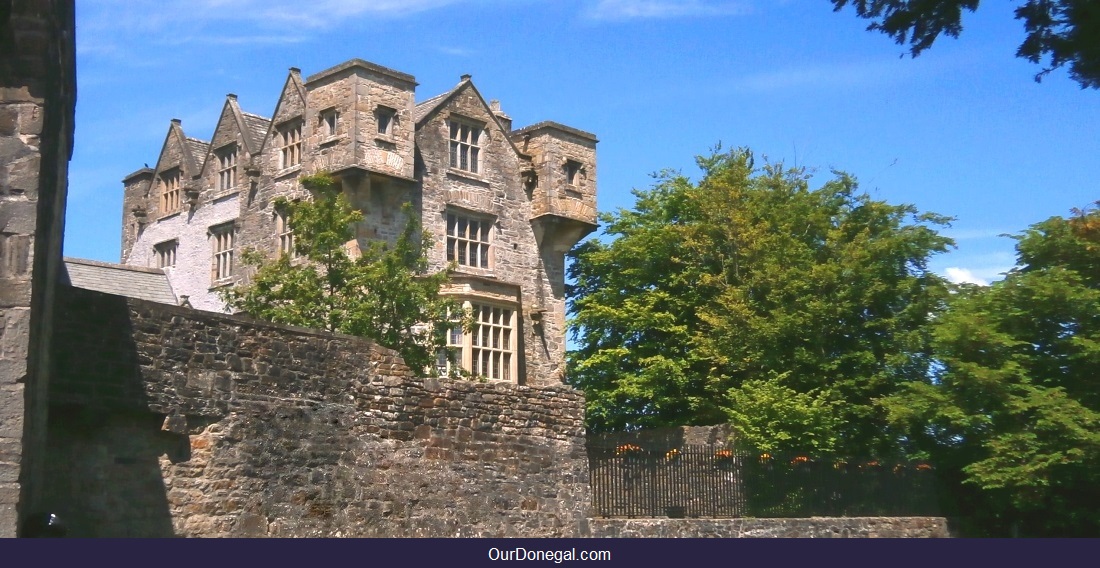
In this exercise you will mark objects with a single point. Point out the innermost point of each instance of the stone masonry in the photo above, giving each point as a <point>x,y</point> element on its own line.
<point>504,205</point>
<point>37,98</point>
<point>168,421</point>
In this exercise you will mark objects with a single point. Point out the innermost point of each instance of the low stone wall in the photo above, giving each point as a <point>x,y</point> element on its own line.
<point>166,421</point>
<point>817,527</point>
<point>173,422</point>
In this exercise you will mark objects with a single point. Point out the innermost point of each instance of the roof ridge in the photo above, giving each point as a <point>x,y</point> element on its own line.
<point>113,265</point>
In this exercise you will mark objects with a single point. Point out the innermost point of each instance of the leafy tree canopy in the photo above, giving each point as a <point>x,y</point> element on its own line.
<point>717,297</point>
<point>1015,406</point>
<point>383,293</point>
<point>1062,32</point>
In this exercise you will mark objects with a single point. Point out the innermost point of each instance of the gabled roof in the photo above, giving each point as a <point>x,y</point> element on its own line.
<point>292,86</point>
<point>192,150</point>
<point>253,128</point>
<point>130,281</point>
<point>428,108</point>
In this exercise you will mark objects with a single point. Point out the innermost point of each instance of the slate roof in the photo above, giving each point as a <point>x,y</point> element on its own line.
<point>425,108</point>
<point>256,127</point>
<point>130,281</point>
<point>198,149</point>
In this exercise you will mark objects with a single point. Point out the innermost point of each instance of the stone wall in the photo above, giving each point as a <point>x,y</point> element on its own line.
<point>817,527</point>
<point>494,194</point>
<point>191,275</point>
<point>167,421</point>
<point>37,99</point>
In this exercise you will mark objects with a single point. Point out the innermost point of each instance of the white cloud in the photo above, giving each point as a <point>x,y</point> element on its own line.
<point>636,9</point>
<point>961,275</point>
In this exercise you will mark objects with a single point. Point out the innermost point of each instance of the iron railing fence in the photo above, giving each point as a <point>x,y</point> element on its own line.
<point>630,480</point>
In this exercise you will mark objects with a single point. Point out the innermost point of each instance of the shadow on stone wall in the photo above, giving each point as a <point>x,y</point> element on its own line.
<point>104,476</point>
<point>104,447</point>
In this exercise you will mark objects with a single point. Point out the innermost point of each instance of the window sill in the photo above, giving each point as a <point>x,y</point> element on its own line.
<point>470,176</point>
<point>330,140</point>
<point>175,213</point>
<point>219,284</point>
<point>221,194</point>
<point>285,172</point>
<point>292,260</point>
<point>474,271</point>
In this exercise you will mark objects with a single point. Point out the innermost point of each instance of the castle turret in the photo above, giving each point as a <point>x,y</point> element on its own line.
<point>136,207</point>
<point>360,121</point>
<point>562,182</point>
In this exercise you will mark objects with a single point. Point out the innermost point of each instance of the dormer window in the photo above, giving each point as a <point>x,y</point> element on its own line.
<point>227,167</point>
<point>330,119</point>
<point>290,144</point>
<point>170,191</point>
<point>386,117</point>
<point>465,146</point>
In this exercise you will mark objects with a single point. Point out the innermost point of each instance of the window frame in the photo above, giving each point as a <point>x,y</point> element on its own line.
<point>573,172</point>
<point>290,143</point>
<point>227,166</point>
<point>464,144</point>
<point>223,238</point>
<point>460,244</point>
<point>329,122</point>
<point>171,190</point>
<point>490,349</point>
<point>385,116</point>
<point>165,253</point>
<point>285,233</point>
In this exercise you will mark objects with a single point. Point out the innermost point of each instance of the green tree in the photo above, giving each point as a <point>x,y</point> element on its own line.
<point>384,293</point>
<point>718,296</point>
<point>1014,408</point>
<point>1063,32</point>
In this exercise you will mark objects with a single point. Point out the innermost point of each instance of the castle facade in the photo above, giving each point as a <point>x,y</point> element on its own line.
<point>504,205</point>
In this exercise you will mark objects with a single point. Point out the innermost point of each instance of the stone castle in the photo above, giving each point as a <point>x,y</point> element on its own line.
<point>126,415</point>
<point>504,205</point>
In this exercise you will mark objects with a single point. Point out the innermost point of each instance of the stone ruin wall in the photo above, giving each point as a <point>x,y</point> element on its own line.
<point>173,422</point>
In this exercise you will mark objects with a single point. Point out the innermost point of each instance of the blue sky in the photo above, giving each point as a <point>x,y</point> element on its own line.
<point>962,130</point>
